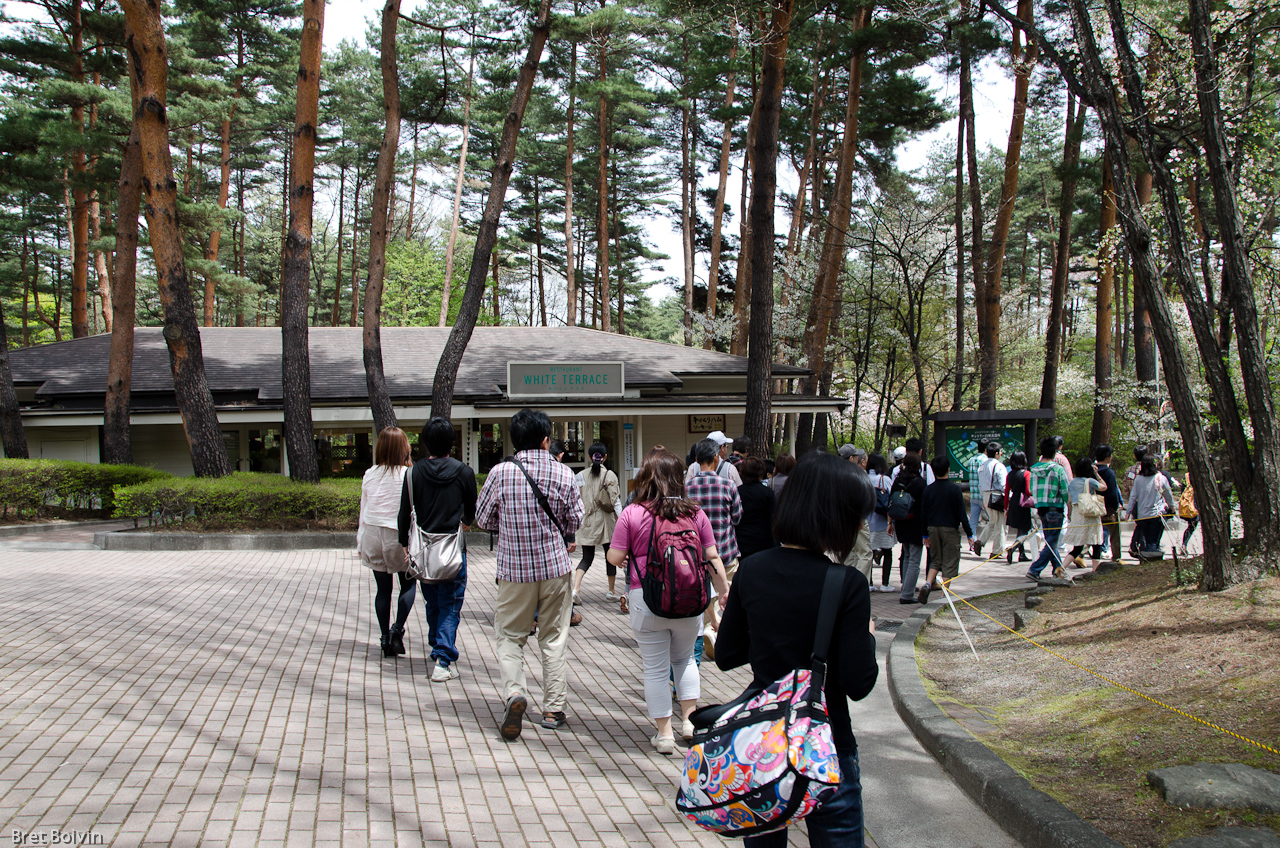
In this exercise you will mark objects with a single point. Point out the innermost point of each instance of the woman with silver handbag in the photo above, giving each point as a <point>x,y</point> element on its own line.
<point>438,502</point>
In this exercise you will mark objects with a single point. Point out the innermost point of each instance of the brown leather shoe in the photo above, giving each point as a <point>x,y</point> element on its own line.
<point>575,619</point>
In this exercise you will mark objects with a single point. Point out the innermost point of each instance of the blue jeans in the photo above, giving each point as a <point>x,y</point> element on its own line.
<point>1051,523</point>
<point>837,823</point>
<point>443,605</point>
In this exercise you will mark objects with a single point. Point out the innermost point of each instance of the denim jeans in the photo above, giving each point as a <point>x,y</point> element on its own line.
<point>1150,532</point>
<point>836,824</point>
<point>443,605</point>
<point>910,570</point>
<point>1051,522</point>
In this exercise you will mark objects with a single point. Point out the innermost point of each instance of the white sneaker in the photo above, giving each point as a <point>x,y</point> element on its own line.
<point>576,600</point>
<point>443,673</point>
<point>612,596</point>
<point>664,744</point>
<point>686,731</point>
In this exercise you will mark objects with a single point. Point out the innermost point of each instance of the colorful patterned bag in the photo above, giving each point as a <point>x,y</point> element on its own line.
<point>768,758</point>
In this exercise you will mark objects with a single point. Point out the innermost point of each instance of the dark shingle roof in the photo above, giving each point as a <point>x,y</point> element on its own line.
<point>245,361</point>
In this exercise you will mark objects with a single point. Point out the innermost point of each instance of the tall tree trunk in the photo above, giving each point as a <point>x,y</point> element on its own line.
<point>602,195</point>
<point>687,187</point>
<point>413,187</point>
<point>537,244</point>
<point>355,253</point>
<point>451,357</point>
<point>1261,481</point>
<point>827,280</point>
<point>717,213</point>
<point>1100,432</point>
<point>742,279</point>
<point>796,231</point>
<point>224,194</point>
<point>763,192</point>
<point>457,197</point>
<point>337,277</point>
<point>992,289</point>
<point>181,331</point>
<point>101,271</point>
<point>384,414</point>
<point>12,436</point>
<point>117,445</point>
<point>570,265</point>
<point>79,192</point>
<point>299,432</point>
<point>1062,254</point>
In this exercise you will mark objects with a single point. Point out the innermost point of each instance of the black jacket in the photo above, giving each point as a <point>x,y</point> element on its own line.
<point>943,506</point>
<point>911,531</point>
<point>444,495</point>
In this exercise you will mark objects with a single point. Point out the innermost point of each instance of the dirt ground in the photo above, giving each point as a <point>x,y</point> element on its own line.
<point>1090,744</point>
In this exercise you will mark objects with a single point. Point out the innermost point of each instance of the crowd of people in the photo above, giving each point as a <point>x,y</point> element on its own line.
<point>762,534</point>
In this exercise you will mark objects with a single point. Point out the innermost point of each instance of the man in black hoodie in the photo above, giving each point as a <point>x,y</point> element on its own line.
<point>943,510</point>
<point>444,496</point>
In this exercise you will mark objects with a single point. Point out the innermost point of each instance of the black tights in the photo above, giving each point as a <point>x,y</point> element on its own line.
<point>382,601</point>
<point>589,555</point>
<point>885,555</point>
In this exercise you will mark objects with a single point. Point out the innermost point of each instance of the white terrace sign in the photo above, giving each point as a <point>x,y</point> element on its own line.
<point>564,379</point>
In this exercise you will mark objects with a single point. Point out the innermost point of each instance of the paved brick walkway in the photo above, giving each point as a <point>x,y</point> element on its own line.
<point>239,699</point>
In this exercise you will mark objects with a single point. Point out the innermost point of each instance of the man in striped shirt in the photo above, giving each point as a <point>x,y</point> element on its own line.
<point>535,538</point>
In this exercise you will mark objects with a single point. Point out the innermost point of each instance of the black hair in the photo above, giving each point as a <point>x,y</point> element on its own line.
<point>1148,466</point>
<point>823,505</point>
<point>941,466</point>
<point>1058,442</point>
<point>596,448</point>
<point>1018,460</point>
<point>742,444</point>
<point>878,464</point>
<point>1048,447</point>
<point>438,436</point>
<point>914,445</point>
<point>993,448</point>
<point>556,447</point>
<point>1139,452</point>
<point>705,451</point>
<point>528,428</point>
<point>981,445</point>
<point>1084,467</point>
<point>692,457</point>
<point>912,465</point>
<point>1103,453</point>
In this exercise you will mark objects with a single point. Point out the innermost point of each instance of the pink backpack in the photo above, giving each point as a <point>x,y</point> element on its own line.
<point>676,580</point>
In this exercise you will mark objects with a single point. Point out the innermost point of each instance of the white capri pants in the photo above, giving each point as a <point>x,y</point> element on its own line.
<point>666,648</point>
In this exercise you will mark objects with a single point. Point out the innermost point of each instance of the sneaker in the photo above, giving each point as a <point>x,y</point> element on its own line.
<point>612,596</point>
<point>443,673</point>
<point>664,744</point>
<point>513,718</point>
<point>1032,576</point>
<point>575,619</point>
<point>686,731</point>
<point>923,595</point>
<point>908,601</point>
<point>554,721</point>
<point>1059,571</point>
<point>577,601</point>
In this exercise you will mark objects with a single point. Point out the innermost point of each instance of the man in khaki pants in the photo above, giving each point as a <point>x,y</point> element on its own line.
<point>533,504</point>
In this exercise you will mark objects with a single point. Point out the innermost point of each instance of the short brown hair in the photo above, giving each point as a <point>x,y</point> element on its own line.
<point>660,486</point>
<point>751,469</point>
<point>392,448</point>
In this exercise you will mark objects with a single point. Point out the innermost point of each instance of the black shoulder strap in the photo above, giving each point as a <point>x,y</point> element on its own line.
<point>828,608</point>
<point>542,499</point>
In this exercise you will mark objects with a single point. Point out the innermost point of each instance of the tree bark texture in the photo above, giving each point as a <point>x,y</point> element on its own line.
<point>687,187</point>
<point>224,194</point>
<point>1262,480</point>
<point>457,198</point>
<point>602,193</point>
<point>451,357</point>
<point>79,192</point>
<point>12,436</point>
<point>117,445</point>
<point>384,414</point>
<point>717,213</point>
<point>160,192</point>
<point>992,287</point>
<point>764,183</point>
<point>1100,432</point>
<point>570,266</point>
<point>1062,255</point>
<point>299,436</point>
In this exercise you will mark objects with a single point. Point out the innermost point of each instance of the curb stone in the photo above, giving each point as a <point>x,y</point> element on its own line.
<point>24,529</point>
<point>135,540</point>
<point>1027,814</point>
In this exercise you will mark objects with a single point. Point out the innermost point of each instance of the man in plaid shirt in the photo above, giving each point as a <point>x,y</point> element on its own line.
<point>972,467</point>
<point>719,499</point>
<point>1049,488</point>
<point>533,566</point>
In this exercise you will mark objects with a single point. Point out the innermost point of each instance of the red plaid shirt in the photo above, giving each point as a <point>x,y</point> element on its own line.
<point>530,548</point>
<point>721,502</point>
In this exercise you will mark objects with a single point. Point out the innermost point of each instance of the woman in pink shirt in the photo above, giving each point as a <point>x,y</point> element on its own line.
<point>666,644</point>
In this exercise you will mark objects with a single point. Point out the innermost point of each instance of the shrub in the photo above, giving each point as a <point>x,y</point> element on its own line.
<point>242,501</point>
<point>36,485</point>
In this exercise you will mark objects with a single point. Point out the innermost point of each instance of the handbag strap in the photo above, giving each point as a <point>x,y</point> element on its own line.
<point>542,499</point>
<point>828,608</point>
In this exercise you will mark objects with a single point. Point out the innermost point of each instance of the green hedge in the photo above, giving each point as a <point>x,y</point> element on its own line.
<point>39,485</point>
<point>242,500</point>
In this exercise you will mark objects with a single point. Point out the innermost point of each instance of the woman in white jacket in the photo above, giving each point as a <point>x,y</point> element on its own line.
<point>378,537</point>
<point>599,504</point>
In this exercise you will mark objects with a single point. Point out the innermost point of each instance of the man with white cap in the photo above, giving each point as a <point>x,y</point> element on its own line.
<point>724,468</point>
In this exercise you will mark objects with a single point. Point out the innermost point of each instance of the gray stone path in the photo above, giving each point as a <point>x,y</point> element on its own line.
<point>225,698</point>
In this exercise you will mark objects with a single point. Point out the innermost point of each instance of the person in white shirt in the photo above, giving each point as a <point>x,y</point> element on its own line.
<point>991,477</point>
<point>377,538</point>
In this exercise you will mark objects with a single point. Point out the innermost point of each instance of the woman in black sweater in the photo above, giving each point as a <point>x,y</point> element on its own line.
<point>755,529</point>
<point>771,619</point>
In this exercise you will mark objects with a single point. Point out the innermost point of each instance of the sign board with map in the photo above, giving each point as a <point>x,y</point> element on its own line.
<point>962,444</point>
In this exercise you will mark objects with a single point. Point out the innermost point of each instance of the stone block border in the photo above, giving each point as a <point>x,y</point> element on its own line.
<point>61,526</point>
<point>1027,814</point>
<point>141,540</point>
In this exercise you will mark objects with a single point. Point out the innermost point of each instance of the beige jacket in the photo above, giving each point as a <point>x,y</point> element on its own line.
<point>597,523</point>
